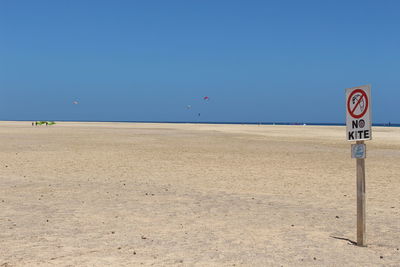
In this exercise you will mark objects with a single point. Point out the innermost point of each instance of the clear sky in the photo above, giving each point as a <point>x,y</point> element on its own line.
<point>147,60</point>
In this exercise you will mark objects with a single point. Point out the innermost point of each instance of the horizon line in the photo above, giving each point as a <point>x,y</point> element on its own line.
<point>387,124</point>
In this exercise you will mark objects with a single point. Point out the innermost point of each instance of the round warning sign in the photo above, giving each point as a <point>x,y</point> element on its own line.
<point>357,103</point>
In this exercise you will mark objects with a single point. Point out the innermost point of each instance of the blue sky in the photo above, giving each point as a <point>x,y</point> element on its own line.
<point>147,60</point>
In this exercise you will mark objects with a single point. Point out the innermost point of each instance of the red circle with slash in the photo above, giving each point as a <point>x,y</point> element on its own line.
<point>352,110</point>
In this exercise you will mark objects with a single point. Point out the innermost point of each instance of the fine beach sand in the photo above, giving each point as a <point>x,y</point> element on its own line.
<point>127,194</point>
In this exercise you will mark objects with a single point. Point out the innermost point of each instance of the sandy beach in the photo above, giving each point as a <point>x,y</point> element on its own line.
<point>130,194</point>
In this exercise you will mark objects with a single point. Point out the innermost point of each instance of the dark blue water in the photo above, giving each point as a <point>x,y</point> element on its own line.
<point>250,123</point>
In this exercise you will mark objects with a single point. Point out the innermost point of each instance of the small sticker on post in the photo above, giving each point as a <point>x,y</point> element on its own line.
<point>358,151</point>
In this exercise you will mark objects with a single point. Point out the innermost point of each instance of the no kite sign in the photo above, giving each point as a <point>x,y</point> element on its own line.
<point>358,122</point>
<point>358,109</point>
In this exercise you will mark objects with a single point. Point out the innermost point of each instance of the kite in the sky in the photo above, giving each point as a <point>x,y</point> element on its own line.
<point>206,98</point>
<point>188,107</point>
<point>75,102</point>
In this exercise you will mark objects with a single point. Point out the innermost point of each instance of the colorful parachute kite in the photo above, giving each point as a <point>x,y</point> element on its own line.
<point>206,98</point>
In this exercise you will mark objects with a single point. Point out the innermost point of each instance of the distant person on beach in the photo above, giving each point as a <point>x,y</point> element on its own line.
<point>33,123</point>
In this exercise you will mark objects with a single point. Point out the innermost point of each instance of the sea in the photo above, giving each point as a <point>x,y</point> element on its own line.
<point>388,124</point>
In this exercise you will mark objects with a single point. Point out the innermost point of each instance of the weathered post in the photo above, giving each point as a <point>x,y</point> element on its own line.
<point>361,237</point>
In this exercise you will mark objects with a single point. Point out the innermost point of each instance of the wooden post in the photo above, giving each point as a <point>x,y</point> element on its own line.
<point>361,237</point>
